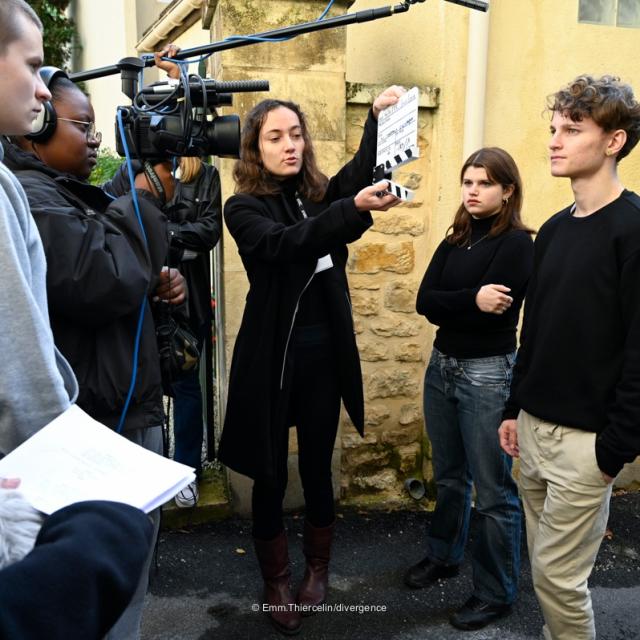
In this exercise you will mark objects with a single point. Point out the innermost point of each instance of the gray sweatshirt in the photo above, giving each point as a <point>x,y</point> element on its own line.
<point>36,382</point>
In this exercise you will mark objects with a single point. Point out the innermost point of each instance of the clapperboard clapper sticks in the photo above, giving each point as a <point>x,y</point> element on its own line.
<point>397,141</point>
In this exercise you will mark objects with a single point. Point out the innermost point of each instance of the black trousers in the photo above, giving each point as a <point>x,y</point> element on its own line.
<point>311,402</point>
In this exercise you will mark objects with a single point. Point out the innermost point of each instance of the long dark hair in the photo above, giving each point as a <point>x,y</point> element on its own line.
<point>249,173</point>
<point>501,169</point>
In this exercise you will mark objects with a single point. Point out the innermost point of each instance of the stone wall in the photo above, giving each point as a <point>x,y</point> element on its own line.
<point>385,269</point>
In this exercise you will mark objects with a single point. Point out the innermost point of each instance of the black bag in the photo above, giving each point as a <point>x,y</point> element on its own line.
<point>177,346</point>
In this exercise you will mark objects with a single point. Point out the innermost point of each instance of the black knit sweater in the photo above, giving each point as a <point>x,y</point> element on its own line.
<point>447,295</point>
<point>579,363</point>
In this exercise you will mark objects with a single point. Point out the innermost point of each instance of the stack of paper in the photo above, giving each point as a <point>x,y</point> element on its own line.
<point>75,458</point>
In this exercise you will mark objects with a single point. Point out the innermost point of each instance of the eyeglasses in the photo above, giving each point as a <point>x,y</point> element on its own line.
<point>89,129</point>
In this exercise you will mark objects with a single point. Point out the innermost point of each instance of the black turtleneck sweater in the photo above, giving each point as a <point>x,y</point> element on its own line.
<point>447,295</point>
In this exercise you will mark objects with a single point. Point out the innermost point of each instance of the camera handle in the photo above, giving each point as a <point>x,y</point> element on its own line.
<point>287,32</point>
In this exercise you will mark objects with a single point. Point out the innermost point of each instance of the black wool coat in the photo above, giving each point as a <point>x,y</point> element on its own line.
<point>279,252</point>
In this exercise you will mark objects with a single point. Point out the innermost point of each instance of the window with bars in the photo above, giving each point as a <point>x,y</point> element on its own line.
<point>621,13</point>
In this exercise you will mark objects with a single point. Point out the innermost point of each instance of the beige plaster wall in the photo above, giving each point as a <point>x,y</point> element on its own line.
<point>535,46</point>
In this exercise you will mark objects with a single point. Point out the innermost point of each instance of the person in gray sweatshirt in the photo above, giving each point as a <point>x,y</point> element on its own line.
<point>36,382</point>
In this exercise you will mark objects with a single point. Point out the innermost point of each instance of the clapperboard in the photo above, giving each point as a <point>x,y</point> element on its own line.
<point>397,141</point>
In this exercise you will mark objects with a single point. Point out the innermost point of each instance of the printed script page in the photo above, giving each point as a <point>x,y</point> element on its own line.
<point>76,458</point>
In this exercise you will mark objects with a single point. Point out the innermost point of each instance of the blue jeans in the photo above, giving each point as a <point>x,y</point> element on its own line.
<point>463,404</point>
<point>188,421</point>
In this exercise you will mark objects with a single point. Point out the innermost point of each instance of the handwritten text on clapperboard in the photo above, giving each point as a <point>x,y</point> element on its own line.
<point>398,132</point>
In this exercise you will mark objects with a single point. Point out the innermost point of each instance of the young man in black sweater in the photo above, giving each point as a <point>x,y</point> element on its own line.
<point>576,383</point>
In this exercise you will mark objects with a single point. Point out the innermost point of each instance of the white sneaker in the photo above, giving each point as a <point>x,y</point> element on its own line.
<point>188,497</point>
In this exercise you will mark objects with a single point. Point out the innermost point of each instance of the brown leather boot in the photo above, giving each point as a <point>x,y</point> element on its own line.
<point>273,558</point>
<point>317,550</point>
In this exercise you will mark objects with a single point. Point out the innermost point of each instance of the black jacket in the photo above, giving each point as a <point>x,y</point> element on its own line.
<point>99,273</point>
<point>195,225</point>
<point>79,577</point>
<point>279,252</point>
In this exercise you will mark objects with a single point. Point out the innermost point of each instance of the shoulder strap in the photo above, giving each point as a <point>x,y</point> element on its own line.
<point>153,178</point>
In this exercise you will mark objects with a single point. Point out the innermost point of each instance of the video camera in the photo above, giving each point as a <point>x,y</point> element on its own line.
<point>178,117</point>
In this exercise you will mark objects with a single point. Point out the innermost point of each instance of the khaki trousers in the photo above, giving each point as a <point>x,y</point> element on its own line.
<point>566,505</point>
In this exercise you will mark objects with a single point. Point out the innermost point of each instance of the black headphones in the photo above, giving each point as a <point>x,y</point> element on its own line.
<point>44,125</point>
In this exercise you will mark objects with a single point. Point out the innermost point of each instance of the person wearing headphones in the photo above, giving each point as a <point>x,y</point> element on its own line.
<point>195,226</point>
<point>101,269</point>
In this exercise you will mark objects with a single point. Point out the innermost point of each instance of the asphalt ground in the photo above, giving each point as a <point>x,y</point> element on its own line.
<point>207,583</point>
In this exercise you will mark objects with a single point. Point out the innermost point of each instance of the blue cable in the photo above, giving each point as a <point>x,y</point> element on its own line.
<point>326,10</point>
<point>247,38</point>
<point>132,179</point>
<point>257,39</point>
<point>282,39</point>
<point>136,346</point>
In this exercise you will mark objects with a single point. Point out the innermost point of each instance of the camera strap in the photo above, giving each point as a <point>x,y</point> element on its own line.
<point>153,178</point>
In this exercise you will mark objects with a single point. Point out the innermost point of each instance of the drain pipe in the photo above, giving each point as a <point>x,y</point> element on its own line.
<point>476,90</point>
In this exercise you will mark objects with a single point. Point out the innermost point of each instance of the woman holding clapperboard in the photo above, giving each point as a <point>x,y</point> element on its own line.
<point>473,290</point>
<point>295,356</point>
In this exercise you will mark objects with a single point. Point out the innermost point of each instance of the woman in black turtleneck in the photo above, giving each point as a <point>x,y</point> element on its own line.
<point>295,356</point>
<point>473,290</point>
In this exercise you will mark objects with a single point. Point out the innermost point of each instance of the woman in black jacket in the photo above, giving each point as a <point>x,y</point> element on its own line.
<point>100,271</point>
<point>194,226</point>
<point>295,356</point>
<point>473,290</point>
